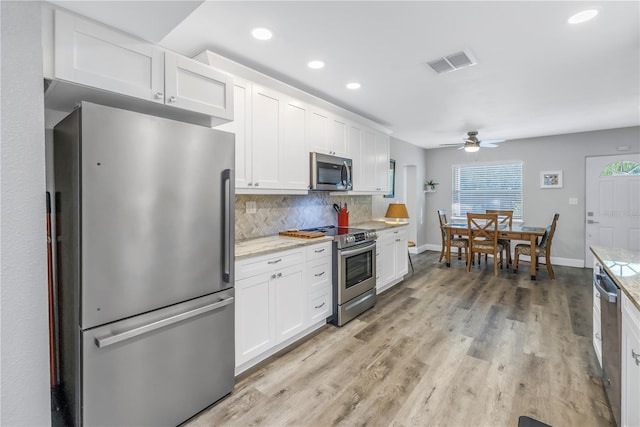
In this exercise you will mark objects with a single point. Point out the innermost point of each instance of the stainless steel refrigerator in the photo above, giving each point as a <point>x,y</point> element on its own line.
<point>146,298</point>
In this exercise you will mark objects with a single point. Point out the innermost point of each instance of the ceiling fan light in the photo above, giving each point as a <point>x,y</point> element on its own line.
<point>471,148</point>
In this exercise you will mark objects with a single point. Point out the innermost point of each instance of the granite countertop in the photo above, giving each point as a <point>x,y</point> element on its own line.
<point>270,244</point>
<point>378,225</point>
<point>624,267</point>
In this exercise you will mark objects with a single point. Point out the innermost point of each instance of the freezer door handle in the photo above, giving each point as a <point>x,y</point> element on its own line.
<point>150,327</point>
<point>228,241</point>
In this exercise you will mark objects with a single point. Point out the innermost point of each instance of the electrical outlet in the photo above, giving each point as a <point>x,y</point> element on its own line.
<point>573,200</point>
<point>251,207</point>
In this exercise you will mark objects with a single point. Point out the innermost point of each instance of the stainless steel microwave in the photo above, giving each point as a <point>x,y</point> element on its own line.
<point>330,173</point>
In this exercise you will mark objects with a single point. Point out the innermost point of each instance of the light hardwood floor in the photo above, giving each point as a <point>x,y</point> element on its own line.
<point>443,348</point>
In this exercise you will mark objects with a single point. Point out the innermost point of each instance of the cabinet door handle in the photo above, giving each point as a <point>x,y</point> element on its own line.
<point>255,184</point>
<point>172,99</point>
<point>319,250</point>
<point>159,95</point>
<point>319,274</point>
<point>250,184</point>
<point>279,274</point>
<point>636,356</point>
<point>275,261</point>
<point>319,306</point>
<point>598,336</point>
<point>273,276</point>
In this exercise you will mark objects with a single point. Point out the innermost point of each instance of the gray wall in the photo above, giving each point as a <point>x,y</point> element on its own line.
<point>25,351</point>
<point>557,152</point>
<point>407,155</point>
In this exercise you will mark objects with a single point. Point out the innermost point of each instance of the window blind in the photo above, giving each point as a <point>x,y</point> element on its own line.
<point>487,186</point>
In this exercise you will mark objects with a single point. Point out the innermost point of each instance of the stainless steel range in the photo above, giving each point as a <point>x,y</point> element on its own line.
<point>354,271</point>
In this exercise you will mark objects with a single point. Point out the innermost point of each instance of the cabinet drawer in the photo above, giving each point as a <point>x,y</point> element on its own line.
<point>319,251</point>
<point>319,274</point>
<point>320,305</point>
<point>262,264</point>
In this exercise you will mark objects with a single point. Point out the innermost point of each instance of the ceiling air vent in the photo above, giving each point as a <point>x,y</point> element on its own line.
<point>453,62</point>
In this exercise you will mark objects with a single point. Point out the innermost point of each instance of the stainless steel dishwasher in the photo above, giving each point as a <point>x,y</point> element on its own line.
<point>610,320</point>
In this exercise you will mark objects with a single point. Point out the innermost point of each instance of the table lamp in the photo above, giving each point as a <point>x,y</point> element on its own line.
<point>397,212</point>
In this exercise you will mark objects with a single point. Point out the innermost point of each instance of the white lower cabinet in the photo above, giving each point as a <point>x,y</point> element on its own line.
<point>630,363</point>
<point>391,258</point>
<point>280,298</point>
<point>290,302</point>
<point>255,328</point>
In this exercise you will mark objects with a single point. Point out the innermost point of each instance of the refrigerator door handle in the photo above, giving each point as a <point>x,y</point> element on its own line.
<point>153,326</point>
<point>228,243</point>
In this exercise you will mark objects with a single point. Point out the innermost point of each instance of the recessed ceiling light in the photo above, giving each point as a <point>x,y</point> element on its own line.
<point>262,33</point>
<point>583,16</point>
<point>315,64</point>
<point>353,85</point>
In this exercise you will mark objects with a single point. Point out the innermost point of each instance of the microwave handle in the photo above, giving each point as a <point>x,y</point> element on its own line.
<point>348,169</point>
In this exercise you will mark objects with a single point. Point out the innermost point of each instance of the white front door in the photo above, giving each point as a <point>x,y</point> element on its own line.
<point>612,204</point>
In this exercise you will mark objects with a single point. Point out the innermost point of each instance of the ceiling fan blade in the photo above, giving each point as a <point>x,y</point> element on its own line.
<point>451,145</point>
<point>492,141</point>
<point>488,145</point>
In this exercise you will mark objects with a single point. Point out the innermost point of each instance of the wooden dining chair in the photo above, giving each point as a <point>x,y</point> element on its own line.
<point>504,218</point>
<point>462,243</point>
<point>542,249</point>
<point>483,238</point>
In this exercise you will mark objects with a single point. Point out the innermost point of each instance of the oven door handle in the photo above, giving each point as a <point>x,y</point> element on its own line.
<point>357,250</point>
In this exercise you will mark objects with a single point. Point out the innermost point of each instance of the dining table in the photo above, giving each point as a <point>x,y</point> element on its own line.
<point>505,231</point>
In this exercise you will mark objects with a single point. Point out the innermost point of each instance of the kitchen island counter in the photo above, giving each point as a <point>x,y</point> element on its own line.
<point>624,267</point>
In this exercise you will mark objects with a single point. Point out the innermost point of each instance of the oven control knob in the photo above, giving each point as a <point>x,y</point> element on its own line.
<point>351,239</point>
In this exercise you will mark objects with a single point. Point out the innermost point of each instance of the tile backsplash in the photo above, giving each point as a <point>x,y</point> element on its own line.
<point>280,212</point>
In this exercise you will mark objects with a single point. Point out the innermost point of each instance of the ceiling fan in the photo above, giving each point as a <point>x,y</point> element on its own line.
<point>473,144</point>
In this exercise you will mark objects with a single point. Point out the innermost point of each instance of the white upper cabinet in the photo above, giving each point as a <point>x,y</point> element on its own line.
<point>294,156</point>
<point>92,56</point>
<point>194,86</point>
<point>368,160</point>
<point>382,148</point>
<point>318,135</point>
<point>241,127</point>
<point>327,133</point>
<point>355,154</point>
<point>270,131</point>
<point>96,56</point>
<point>338,141</point>
<point>266,130</point>
<point>371,172</point>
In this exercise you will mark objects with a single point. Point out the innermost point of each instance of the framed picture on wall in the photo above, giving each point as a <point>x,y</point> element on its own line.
<point>551,179</point>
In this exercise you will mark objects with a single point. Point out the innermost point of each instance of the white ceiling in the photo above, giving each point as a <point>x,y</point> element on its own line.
<point>536,74</point>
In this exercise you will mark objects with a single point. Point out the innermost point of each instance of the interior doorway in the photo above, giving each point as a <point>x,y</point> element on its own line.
<point>612,203</point>
<point>411,193</point>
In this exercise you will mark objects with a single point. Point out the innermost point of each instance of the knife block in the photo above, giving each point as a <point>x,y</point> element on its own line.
<point>343,219</point>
